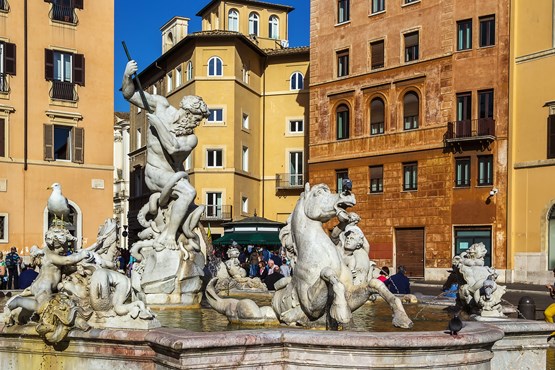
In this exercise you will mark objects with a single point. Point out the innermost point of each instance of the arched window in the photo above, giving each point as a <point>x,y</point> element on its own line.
<point>170,38</point>
<point>342,121</point>
<point>273,27</point>
<point>233,20</point>
<point>215,67</point>
<point>377,116</point>
<point>411,110</point>
<point>253,24</point>
<point>297,81</point>
<point>189,71</point>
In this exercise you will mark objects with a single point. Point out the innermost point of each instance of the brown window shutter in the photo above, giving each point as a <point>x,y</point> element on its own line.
<point>48,142</point>
<point>78,4</point>
<point>78,144</point>
<point>377,54</point>
<point>79,69</point>
<point>551,136</point>
<point>48,64</point>
<point>411,39</point>
<point>2,137</point>
<point>9,58</point>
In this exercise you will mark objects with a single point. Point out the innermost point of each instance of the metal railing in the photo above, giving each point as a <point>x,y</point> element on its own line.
<point>63,91</point>
<point>470,128</point>
<point>4,84</point>
<point>289,180</point>
<point>214,212</point>
<point>63,13</point>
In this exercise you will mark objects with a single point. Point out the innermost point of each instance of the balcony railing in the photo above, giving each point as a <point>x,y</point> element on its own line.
<point>289,180</point>
<point>475,129</point>
<point>4,85</point>
<point>63,91</point>
<point>217,213</point>
<point>63,13</point>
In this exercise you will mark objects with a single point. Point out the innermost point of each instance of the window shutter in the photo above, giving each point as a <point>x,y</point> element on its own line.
<point>78,4</point>
<point>48,142</point>
<point>9,58</point>
<point>2,137</point>
<point>377,54</point>
<point>78,144</point>
<point>48,64</point>
<point>551,136</point>
<point>411,39</point>
<point>79,69</point>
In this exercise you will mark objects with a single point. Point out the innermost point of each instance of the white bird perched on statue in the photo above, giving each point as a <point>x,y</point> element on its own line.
<point>57,204</point>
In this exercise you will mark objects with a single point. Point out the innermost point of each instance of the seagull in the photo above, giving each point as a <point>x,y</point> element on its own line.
<point>455,325</point>
<point>57,204</point>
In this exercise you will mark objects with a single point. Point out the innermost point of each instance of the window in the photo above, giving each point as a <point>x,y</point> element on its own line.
<point>245,159</point>
<point>214,205</point>
<point>214,158</point>
<point>411,46</point>
<point>63,143</point>
<point>273,27</point>
<point>178,77</point>
<point>3,228</point>
<point>487,31</point>
<point>297,81</point>
<point>233,20</point>
<point>341,175</point>
<point>4,7</point>
<point>64,10</point>
<point>245,121</point>
<point>253,24</point>
<point>246,74</point>
<point>485,170</point>
<point>376,179</point>
<point>378,6</point>
<point>411,110</point>
<point>551,136</point>
<point>169,82</point>
<point>485,104</point>
<point>296,168</point>
<point>138,138</point>
<point>466,236</point>
<point>464,34</point>
<point>377,109</point>
<point>215,67</point>
<point>343,10</point>
<point>3,138</point>
<point>64,70</point>
<point>464,106</point>
<point>410,175</point>
<point>245,205</point>
<point>462,172</point>
<point>296,126</point>
<point>7,64</point>
<point>216,115</point>
<point>189,71</point>
<point>342,63</point>
<point>342,122</point>
<point>377,54</point>
<point>411,1</point>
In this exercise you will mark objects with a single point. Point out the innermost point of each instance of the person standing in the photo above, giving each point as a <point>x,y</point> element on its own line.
<point>12,264</point>
<point>27,276</point>
<point>550,310</point>
<point>3,272</point>
<point>399,283</point>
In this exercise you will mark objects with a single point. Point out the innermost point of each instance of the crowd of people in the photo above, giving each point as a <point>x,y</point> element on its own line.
<point>14,274</point>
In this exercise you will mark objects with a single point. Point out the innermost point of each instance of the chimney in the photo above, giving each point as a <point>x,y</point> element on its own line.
<point>174,31</point>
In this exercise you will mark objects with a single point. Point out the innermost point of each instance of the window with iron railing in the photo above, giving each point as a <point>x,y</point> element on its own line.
<point>64,10</point>
<point>65,70</point>
<point>7,64</point>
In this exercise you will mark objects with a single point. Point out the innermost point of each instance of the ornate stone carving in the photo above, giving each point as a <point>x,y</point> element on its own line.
<point>322,269</point>
<point>231,276</point>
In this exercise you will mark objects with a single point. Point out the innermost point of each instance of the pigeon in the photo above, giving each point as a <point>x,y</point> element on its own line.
<point>455,325</point>
<point>57,204</point>
<point>347,184</point>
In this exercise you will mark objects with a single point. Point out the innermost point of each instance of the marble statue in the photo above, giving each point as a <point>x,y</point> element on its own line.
<point>480,292</point>
<point>169,251</point>
<point>331,279</point>
<point>80,290</point>
<point>231,276</point>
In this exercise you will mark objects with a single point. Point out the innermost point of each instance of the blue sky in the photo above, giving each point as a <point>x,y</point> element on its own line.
<point>138,23</point>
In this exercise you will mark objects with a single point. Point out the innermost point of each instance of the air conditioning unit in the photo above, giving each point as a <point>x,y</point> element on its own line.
<point>284,43</point>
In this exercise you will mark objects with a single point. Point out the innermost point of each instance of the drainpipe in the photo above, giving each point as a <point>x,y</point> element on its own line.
<point>25,89</point>
<point>553,23</point>
<point>264,133</point>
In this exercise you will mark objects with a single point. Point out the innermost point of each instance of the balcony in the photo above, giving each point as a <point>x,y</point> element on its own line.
<point>480,130</point>
<point>4,84</point>
<point>64,14</point>
<point>289,181</point>
<point>217,212</point>
<point>63,91</point>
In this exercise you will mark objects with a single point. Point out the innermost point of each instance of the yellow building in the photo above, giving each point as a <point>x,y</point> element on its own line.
<point>251,153</point>
<point>55,116</point>
<point>532,141</point>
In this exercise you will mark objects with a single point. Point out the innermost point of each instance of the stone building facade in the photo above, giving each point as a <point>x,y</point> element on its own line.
<point>409,99</point>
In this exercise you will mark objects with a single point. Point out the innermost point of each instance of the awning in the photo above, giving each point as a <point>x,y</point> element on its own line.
<point>245,239</point>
